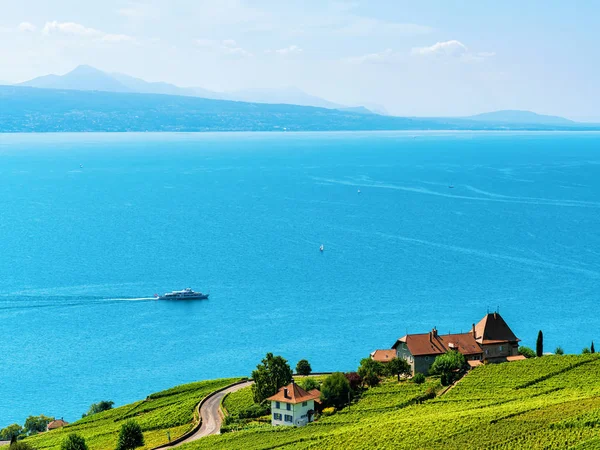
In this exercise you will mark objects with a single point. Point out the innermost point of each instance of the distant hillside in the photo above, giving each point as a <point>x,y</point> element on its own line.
<point>289,95</point>
<point>26,109</point>
<point>83,78</point>
<point>520,117</point>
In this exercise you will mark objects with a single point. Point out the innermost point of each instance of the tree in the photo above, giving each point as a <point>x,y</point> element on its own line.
<point>130,436</point>
<point>354,379</point>
<point>37,424</point>
<point>370,371</point>
<point>398,366</point>
<point>592,349</point>
<point>14,430</point>
<point>73,441</point>
<point>559,351</point>
<point>273,373</point>
<point>446,365</point>
<point>526,352</point>
<point>309,384</point>
<point>539,344</point>
<point>585,351</point>
<point>96,408</point>
<point>303,367</point>
<point>335,390</point>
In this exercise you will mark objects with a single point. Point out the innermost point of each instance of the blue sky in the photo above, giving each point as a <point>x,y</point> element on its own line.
<point>415,58</point>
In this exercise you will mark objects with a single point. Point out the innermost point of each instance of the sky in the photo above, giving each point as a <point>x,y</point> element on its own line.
<point>417,58</point>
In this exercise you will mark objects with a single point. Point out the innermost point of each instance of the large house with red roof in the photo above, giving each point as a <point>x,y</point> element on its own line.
<point>490,340</point>
<point>292,405</point>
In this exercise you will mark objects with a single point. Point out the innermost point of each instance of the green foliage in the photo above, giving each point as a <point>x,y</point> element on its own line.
<point>303,367</point>
<point>309,383</point>
<point>559,351</point>
<point>14,430</point>
<point>539,344</point>
<point>446,365</point>
<point>335,390</point>
<point>74,441</point>
<point>526,352</point>
<point>398,367</point>
<point>419,378</point>
<point>238,401</point>
<point>255,411</point>
<point>586,351</point>
<point>330,411</point>
<point>273,373</point>
<point>130,436</point>
<point>592,349</point>
<point>370,371</point>
<point>170,411</point>
<point>99,407</point>
<point>21,445</point>
<point>37,424</point>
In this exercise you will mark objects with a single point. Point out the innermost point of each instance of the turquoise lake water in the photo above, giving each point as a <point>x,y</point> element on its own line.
<point>82,249</point>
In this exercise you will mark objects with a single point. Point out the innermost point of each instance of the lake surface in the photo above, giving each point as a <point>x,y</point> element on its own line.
<point>92,225</point>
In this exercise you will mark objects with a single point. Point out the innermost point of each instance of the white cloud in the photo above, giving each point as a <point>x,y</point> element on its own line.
<point>26,27</point>
<point>291,50</point>
<point>76,29</point>
<point>367,26</point>
<point>139,11</point>
<point>448,48</point>
<point>386,56</point>
<point>226,47</point>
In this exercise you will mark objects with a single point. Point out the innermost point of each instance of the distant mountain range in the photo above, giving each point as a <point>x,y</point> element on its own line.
<point>87,78</point>
<point>520,117</point>
<point>29,109</point>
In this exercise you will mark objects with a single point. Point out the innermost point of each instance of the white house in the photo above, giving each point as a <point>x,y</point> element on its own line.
<point>292,405</point>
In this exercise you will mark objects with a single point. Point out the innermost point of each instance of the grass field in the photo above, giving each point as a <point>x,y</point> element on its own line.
<point>170,411</point>
<point>543,403</point>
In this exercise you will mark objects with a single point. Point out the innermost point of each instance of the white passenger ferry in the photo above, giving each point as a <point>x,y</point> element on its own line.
<point>186,294</point>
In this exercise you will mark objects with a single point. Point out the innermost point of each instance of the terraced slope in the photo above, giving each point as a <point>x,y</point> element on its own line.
<point>171,411</point>
<point>549,402</point>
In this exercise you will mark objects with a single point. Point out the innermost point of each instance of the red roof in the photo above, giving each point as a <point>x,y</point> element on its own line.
<point>383,355</point>
<point>492,329</point>
<point>515,358</point>
<point>436,344</point>
<point>292,393</point>
<point>57,424</point>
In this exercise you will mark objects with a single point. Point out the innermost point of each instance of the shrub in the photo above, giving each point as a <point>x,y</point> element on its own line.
<point>585,351</point>
<point>255,411</point>
<point>73,442</point>
<point>130,436</point>
<point>370,371</point>
<point>328,411</point>
<point>526,352</point>
<point>354,379</point>
<point>309,383</point>
<point>559,351</point>
<point>418,378</point>
<point>303,367</point>
<point>335,390</point>
<point>20,445</point>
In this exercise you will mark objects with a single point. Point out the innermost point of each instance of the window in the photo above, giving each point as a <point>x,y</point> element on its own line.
<point>277,416</point>
<point>277,405</point>
<point>427,358</point>
<point>288,418</point>
<point>288,406</point>
<point>501,348</point>
<point>304,403</point>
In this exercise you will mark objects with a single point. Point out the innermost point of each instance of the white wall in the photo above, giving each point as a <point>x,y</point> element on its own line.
<point>297,411</point>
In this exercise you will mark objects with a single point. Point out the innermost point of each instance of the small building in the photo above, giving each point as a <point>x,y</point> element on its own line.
<point>420,350</point>
<point>383,356</point>
<point>292,405</point>
<point>59,423</point>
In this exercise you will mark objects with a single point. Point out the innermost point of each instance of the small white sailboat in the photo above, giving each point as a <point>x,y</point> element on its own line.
<point>322,248</point>
<point>358,191</point>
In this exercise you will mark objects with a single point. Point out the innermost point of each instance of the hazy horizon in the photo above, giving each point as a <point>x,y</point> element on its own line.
<point>426,59</point>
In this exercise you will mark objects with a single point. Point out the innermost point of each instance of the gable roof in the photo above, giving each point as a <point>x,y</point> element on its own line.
<point>383,355</point>
<point>433,343</point>
<point>292,393</point>
<point>57,424</point>
<point>492,329</point>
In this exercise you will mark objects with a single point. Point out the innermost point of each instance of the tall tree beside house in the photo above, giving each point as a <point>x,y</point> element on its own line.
<point>335,390</point>
<point>73,441</point>
<point>447,365</point>
<point>592,349</point>
<point>539,344</point>
<point>130,436</point>
<point>303,367</point>
<point>398,367</point>
<point>273,372</point>
<point>370,371</point>
<point>37,424</point>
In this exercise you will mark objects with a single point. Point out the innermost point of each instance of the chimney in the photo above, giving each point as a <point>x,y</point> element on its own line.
<point>473,331</point>
<point>431,336</point>
<point>495,315</point>
<point>285,393</point>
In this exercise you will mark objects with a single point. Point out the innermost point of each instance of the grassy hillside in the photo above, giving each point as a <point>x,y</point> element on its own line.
<point>169,411</point>
<point>550,402</point>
